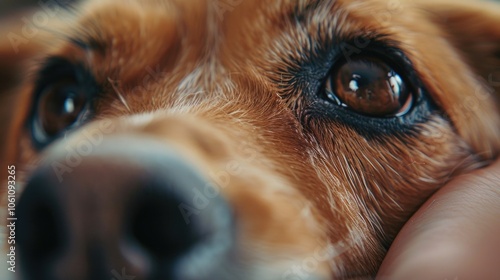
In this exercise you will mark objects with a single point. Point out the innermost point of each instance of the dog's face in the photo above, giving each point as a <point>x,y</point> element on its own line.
<point>237,139</point>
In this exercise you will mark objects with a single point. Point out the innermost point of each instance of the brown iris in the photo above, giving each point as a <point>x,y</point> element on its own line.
<point>59,106</point>
<point>370,87</point>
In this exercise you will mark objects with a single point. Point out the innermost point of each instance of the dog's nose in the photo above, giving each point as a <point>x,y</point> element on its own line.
<point>126,208</point>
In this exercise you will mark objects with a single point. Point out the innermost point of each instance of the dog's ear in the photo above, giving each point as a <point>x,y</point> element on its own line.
<point>472,28</point>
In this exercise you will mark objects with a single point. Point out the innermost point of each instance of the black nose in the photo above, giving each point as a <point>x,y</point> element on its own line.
<point>126,209</point>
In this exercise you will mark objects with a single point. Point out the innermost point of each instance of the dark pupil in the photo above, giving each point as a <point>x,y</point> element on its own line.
<point>370,87</point>
<point>59,108</point>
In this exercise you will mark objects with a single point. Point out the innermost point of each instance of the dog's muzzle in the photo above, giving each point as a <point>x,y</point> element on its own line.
<point>121,211</point>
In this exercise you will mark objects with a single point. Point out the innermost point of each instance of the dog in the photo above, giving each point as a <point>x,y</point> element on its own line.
<point>236,139</point>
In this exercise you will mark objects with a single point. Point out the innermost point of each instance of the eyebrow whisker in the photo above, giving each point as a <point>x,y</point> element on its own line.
<point>118,92</point>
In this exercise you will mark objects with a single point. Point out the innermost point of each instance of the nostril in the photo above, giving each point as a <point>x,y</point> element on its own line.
<point>157,225</point>
<point>40,226</point>
<point>42,235</point>
<point>184,244</point>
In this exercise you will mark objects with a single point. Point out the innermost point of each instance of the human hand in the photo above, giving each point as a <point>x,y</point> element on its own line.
<point>455,235</point>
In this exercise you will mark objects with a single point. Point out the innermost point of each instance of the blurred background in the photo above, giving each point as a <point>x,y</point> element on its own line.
<point>12,6</point>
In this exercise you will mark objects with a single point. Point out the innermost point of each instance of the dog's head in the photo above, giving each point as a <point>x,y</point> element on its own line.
<point>235,139</point>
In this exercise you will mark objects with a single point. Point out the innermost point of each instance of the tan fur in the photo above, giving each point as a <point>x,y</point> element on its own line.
<point>223,96</point>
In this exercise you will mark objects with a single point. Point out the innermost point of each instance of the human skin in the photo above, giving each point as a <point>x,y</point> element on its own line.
<point>455,235</point>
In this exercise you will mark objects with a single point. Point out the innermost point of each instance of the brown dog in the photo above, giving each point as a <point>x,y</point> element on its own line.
<point>237,139</point>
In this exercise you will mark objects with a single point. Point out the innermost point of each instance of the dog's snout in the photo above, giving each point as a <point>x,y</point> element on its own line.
<point>129,206</point>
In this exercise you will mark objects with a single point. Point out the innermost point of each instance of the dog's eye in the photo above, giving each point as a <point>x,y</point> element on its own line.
<point>59,107</point>
<point>369,86</point>
<point>62,100</point>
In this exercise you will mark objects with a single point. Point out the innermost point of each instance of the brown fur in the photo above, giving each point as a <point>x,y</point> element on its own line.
<point>225,96</point>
